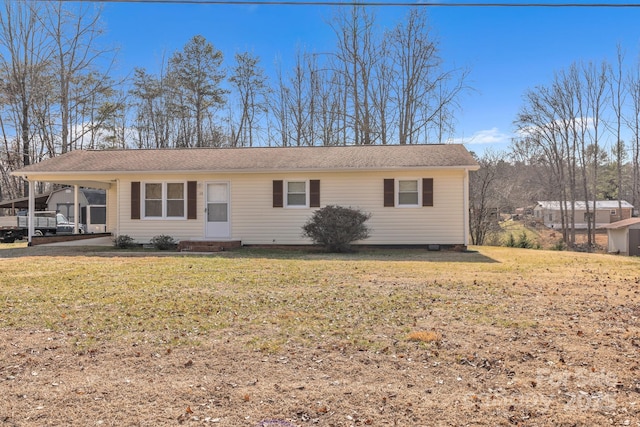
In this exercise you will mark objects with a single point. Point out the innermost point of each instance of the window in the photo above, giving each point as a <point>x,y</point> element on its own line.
<point>175,200</point>
<point>297,193</point>
<point>164,200</point>
<point>614,212</point>
<point>98,215</point>
<point>153,200</point>
<point>408,193</point>
<point>67,210</point>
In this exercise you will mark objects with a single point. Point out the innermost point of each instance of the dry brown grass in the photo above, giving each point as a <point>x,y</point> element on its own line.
<point>238,339</point>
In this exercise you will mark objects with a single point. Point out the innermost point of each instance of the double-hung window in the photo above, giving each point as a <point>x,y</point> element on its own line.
<point>297,194</point>
<point>164,200</point>
<point>408,192</point>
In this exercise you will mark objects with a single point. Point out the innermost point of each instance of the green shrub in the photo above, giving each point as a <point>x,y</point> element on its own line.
<point>559,246</point>
<point>336,227</point>
<point>523,241</point>
<point>163,243</point>
<point>511,241</point>
<point>124,241</point>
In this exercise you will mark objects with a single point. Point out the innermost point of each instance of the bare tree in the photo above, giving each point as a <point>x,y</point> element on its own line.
<point>356,57</point>
<point>75,33</point>
<point>596,96</point>
<point>617,101</point>
<point>382,94</point>
<point>251,86</point>
<point>23,60</point>
<point>425,93</point>
<point>540,123</point>
<point>633,122</point>
<point>299,102</point>
<point>151,119</point>
<point>280,109</point>
<point>484,190</point>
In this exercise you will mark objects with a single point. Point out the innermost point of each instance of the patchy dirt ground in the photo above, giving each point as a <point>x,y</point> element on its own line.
<point>564,351</point>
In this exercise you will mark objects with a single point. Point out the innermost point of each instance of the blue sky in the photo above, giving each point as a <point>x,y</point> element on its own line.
<point>507,50</point>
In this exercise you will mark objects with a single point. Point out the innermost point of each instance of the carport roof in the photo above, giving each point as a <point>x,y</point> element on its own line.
<point>23,202</point>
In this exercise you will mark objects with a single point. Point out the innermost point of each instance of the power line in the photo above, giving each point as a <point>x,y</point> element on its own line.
<point>370,3</point>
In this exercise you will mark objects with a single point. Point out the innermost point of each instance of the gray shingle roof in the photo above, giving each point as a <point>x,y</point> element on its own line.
<point>579,205</point>
<point>370,157</point>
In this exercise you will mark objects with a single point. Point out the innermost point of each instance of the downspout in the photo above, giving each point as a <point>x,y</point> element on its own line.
<point>465,203</point>
<point>31,216</point>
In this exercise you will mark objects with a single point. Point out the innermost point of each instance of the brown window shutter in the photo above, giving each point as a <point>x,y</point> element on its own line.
<point>314,193</point>
<point>192,200</point>
<point>278,198</point>
<point>389,193</point>
<point>135,200</point>
<point>427,191</point>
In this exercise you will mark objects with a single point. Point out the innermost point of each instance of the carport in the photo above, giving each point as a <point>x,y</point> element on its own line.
<point>624,237</point>
<point>40,203</point>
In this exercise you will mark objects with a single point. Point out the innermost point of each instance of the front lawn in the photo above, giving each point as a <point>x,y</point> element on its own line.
<point>496,336</point>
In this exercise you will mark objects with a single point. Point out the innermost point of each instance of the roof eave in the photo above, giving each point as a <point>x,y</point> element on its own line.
<point>35,174</point>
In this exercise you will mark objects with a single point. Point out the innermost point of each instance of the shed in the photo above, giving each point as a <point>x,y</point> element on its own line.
<point>624,236</point>
<point>62,200</point>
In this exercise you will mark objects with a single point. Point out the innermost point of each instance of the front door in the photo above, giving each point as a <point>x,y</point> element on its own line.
<point>217,210</point>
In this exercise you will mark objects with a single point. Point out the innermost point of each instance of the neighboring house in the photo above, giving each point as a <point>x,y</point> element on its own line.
<point>624,236</point>
<point>417,194</point>
<point>607,211</point>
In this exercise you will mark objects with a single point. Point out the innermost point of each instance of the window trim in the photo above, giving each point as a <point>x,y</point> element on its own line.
<point>164,199</point>
<point>285,194</point>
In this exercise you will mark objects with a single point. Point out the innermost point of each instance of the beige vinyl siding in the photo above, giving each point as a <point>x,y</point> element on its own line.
<point>256,222</point>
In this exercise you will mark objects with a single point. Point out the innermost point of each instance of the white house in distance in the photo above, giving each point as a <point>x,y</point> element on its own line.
<point>607,211</point>
<point>417,194</point>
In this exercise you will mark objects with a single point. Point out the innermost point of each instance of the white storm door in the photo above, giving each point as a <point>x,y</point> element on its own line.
<point>217,210</point>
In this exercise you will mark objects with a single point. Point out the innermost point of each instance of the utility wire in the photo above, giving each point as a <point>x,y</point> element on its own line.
<point>369,3</point>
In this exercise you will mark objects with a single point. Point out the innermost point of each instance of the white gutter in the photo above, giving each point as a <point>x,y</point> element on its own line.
<point>106,176</point>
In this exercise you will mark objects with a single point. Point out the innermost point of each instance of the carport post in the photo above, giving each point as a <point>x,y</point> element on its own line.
<point>76,210</point>
<point>32,204</point>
